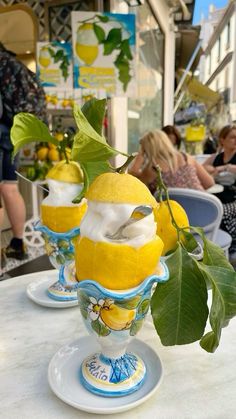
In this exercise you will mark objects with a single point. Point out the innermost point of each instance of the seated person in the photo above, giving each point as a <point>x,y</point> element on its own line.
<point>178,169</point>
<point>216,165</point>
<point>174,135</point>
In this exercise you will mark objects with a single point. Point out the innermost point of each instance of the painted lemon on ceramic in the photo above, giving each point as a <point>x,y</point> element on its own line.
<point>65,181</point>
<point>106,315</point>
<point>115,249</point>
<point>115,317</point>
<point>44,57</point>
<point>165,228</point>
<point>86,44</point>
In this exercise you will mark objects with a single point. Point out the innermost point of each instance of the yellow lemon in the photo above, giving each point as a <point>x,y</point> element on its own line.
<point>42,153</point>
<point>116,266</point>
<point>66,172</point>
<point>117,318</point>
<point>86,44</point>
<point>165,229</point>
<point>44,58</point>
<point>120,188</point>
<point>54,155</point>
<point>61,219</point>
<point>59,136</point>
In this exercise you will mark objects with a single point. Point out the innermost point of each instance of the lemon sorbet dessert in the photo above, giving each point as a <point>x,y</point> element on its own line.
<point>65,182</point>
<point>116,249</point>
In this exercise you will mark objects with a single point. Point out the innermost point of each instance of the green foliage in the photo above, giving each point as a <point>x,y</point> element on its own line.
<point>99,32</point>
<point>94,110</point>
<point>99,328</point>
<point>114,42</point>
<point>179,306</point>
<point>60,55</point>
<point>144,306</point>
<point>26,129</point>
<point>90,148</point>
<point>129,304</point>
<point>136,325</point>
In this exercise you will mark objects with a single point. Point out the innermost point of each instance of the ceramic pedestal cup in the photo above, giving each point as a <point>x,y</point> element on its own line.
<point>60,250</point>
<point>115,317</point>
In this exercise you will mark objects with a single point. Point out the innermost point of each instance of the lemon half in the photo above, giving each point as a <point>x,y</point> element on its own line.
<point>117,265</point>
<point>66,172</point>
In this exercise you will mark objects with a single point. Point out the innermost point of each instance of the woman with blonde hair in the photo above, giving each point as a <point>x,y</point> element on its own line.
<point>178,169</point>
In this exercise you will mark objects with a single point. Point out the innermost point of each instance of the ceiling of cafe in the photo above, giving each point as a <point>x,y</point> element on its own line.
<point>17,30</point>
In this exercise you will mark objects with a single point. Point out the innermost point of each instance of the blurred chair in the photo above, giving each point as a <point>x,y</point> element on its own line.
<point>204,210</point>
<point>201,158</point>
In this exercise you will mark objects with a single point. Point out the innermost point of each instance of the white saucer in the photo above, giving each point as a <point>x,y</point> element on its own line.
<point>63,377</point>
<point>37,291</point>
<point>217,188</point>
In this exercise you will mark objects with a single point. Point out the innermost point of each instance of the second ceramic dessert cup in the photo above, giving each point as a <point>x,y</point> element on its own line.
<point>60,250</point>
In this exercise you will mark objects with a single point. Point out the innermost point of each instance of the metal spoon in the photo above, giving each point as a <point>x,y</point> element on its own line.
<point>33,183</point>
<point>138,213</point>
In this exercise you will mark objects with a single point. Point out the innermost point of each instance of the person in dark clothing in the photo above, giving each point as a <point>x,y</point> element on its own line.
<point>20,92</point>
<point>223,167</point>
<point>211,144</point>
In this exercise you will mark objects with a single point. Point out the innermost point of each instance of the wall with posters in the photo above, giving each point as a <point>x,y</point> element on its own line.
<point>104,52</point>
<point>55,70</point>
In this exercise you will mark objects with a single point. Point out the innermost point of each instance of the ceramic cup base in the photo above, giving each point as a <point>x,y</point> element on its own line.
<point>113,377</point>
<point>65,289</point>
<point>60,292</point>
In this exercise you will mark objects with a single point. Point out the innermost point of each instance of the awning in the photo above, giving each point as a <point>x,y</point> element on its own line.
<point>199,92</point>
<point>186,42</point>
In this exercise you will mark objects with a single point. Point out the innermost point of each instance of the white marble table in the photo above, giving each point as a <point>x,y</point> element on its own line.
<point>195,384</point>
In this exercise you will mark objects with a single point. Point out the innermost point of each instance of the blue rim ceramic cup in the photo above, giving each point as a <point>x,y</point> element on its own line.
<point>60,250</point>
<point>115,317</point>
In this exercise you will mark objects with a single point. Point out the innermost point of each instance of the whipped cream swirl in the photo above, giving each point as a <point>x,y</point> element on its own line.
<point>102,221</point>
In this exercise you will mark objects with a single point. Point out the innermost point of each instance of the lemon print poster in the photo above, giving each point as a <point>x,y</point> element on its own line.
<point>54,65</point>
<point>104,52</point>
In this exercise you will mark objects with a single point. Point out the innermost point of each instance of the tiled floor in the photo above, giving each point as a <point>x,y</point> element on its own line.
<point>33,252</point>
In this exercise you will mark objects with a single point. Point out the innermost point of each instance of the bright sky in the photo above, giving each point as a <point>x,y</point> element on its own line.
<point>202,6</point>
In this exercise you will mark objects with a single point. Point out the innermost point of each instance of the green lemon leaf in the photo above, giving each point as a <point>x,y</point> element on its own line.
<point>83,299</point>
<point>129,304</point>
<point>125,48</point>
<point>91,170</point>
<point>189,241</point>
<point>60,259</point>
<point>58,56</point>
<point>123,66</point>
<point>85,127</point>
<point>26,129</point>
<point>99,32</point>
<point>63,243</point>
<point>103,18</point>
<point>213,254</point>
<point>94,111</point>
<point>179,306</point>
<point>84,313</point>
<point>68,256</point>
<point>99,328</point>
<point>135,327</point>
<point>86,149</point>
<point>223,283</point>
<point>112,41</point>
<point>144,306</point>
